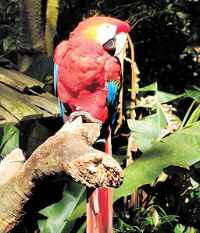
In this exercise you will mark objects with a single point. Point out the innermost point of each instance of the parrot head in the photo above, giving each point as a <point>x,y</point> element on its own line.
<point>108,32</point>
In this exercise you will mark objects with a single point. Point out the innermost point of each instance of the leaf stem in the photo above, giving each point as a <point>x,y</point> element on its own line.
<point>187,114</point>
<point>194,116</point>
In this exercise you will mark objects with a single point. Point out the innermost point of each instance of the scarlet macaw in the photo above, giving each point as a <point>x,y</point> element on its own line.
<point>87,78</point>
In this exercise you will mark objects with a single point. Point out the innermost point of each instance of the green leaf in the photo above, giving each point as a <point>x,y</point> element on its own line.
<point>9,139</point>
<point>80,209</point>
<point>179,149</point>
<point>155,218</point>
<point>151,87</point>
<point>60,216</point>
<point>150,125</point>
<point>194,94</point>
<point>155,101</point>
<point>162,117</point>
<point>181,229</point>
<point>154,125</point>
<point>165,97</point>
<point>8,44</point>
<point>122,226</point>
<point>194,116</point>
<point>82,228</point>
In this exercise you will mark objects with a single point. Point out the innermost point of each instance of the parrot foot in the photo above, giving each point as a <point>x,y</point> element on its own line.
<point>86,116</point>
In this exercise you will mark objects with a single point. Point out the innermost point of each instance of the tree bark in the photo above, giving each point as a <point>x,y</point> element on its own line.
<point>69,150</point>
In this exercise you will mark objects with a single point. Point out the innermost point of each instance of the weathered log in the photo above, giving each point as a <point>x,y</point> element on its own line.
<point>69,151</point>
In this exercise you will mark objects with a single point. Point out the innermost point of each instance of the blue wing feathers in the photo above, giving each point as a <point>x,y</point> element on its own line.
<point>62,110</point>
<point>55,80</point>
<point>113,91</point>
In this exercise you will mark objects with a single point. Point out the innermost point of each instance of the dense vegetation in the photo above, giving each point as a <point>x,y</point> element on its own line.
<point>166,131</point>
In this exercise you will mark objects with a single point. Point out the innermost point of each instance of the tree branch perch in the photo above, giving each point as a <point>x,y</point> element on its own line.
<point>69,151</point>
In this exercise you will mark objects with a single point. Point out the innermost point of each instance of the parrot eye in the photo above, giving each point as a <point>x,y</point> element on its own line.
<point>109,46</point>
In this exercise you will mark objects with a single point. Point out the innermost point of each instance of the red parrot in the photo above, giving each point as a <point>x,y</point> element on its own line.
<point>87,78</point>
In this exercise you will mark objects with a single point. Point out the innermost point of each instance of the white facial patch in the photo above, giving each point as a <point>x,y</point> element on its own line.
<point>105,32</point>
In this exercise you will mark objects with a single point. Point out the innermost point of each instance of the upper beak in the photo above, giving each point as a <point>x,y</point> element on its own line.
<point>120,43</point>
<point>120,48</point>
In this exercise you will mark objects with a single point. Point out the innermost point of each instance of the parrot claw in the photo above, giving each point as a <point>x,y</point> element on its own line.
<point>86,116</point>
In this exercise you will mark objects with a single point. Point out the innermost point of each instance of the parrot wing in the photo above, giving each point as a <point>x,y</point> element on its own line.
<point>60,53</point>
<point>113,97</point>
<point>55,81</point>
<point>86,78</point>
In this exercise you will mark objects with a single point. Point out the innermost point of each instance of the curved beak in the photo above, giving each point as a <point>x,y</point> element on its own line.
<point>120,43</point>
<point>120,48</point>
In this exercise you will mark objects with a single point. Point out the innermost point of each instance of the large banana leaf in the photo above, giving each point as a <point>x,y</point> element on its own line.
<point>179,149</point>
<point>61,216</point>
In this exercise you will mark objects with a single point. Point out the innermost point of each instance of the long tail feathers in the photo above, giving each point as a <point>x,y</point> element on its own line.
<point>99,204</point>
